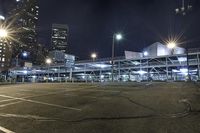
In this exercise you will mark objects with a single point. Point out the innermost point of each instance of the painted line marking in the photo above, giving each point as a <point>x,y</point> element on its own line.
<point>102,90</point>
<point>13,103</point>
<point>5,130</point>
<point>6,100</point>
<point>34,96</point>
<point>38,102</point>
<point>23,116</point>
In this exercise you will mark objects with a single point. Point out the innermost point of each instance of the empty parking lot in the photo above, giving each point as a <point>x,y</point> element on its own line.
<point>100,108</point>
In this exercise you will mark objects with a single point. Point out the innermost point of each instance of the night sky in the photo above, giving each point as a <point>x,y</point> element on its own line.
<point>142,22</point>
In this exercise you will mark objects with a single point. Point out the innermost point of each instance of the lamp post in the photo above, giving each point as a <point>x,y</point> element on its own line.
<point>48,62</point>
<point>24,54</point>
<point>117,37</point>
<point>172,45</point>
<point>188,67</point>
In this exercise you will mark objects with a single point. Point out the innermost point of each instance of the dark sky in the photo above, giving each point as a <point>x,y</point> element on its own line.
<point>142,22</point>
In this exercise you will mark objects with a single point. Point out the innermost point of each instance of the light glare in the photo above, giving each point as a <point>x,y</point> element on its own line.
<point>146,53</point>
<point>2,17</point>
<point>48,61</point>
<point>171,45</point>
<point>3,33</point>
<point>93,55</point>
<point>119,36</point>
<point>25,54</point>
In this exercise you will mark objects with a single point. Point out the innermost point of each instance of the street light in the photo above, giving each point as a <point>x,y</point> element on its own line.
<point>2,17</point>
<point>117,37</point>
<point>145,53</point>
<point>93,56</point>
<point>3,33</point>
<point>48,62</point>
<point>24,54</point>
<point>171,45</point>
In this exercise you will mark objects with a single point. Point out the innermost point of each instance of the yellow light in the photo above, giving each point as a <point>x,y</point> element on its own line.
<point>171,45</point>
<point>48,61</point>
<point>3,33</point>
<point>93,55</point>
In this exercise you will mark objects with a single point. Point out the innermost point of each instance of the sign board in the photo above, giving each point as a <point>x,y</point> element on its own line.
<point>28,65</point>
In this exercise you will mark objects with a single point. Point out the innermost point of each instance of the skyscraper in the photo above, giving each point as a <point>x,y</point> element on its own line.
<point>25,16</point>
<point>59,37</point>
<point>5,46</point>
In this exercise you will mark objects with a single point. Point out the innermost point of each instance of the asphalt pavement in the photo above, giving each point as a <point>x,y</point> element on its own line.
<point>100,108</point>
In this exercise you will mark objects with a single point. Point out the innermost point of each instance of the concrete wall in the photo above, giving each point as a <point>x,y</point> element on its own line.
<point>133,55</point>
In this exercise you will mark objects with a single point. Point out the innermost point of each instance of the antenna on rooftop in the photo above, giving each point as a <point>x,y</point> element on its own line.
<point>185,8</point>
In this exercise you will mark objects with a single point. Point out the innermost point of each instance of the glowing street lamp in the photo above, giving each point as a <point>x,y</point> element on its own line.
<point>93,56</point>
<point>2,17</point>
<point>171,45</point>
<point>117,37</point>
<point>48,61</point>
<point>25,54</point>
<point>3,33</point>
<point>145,53</point>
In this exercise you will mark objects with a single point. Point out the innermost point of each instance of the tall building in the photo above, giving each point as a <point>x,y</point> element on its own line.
<point>5,54</point>
<point>59,37</point>
<point>5,47</point>
<point>25,16</point>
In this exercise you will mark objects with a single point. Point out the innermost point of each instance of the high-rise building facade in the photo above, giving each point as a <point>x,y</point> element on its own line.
<point>25,17</point>
<point>5,54</point>
<point>5,46</point>
<point>59,37</point>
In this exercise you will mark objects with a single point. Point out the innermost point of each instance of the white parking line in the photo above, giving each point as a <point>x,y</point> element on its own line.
<point>49,104</point>
<point>33,96</point>
<point>5,130</point>
<point>4,105</point>
<point>6,100</point>
<point>34,117</point>
<point>95,90</point>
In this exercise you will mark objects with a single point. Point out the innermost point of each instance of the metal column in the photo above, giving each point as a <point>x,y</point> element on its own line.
<point>119,71</point>
<point>167,69</point>
<point>70,74</point>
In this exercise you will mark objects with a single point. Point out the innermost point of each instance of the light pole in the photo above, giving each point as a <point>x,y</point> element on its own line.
<point>93,56</point>
<point>171,45</point>
<point>24,54</point>
<point>118,37</point>
<point>48,62</point>
<point>188,66</point>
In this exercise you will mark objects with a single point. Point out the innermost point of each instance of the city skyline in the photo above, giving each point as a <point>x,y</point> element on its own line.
<point>92,24</point>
